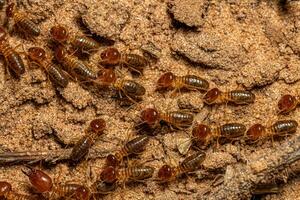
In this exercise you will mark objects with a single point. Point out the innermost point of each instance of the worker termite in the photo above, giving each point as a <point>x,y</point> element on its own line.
<point>170,81</point>
<point>39,57</point>
<point>42,184</point>
<point>191,163</point>
<point>7,193</point>
<point>60,34</point>
<point>177,119</point>
<point>111,174</point>
<point>22,21</point>
<point>204,134</point>
<point>239,97</point>
<point>81,148</point>
<point>111,57</point>
<point>279,128</point>
<point>287,103</point>
<point>12,58</point>
<point>133,146</point>
<point>74,66</point>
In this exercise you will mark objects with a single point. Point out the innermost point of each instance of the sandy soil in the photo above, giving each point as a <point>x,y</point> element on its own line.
<point>253,45</point>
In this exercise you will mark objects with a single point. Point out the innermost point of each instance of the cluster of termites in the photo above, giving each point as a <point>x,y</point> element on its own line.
<point>63,65</point>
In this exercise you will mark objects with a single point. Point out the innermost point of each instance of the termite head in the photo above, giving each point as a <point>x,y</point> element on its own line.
<point>5,188</point>
<point>109,175</point>
<point>59,33</point>
<point>107,76</point>
<point>112,160</point>
<point>39,180</point>
<point>256,131</point>
<point>165,81</point>
<point>211,96</point>
<point>98,126</point>
<point>165,173</point>
<point>3,34</point>
<point>10,9</point>
<point>110,56</point>
<point>150,116</point>
<point>82,193</point>
<point>60,53</point>
<point>36,53</point>
<point>201,132</point>
<point>287,103</point>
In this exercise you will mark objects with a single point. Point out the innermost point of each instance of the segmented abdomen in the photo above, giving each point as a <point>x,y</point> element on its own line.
<point>57,75</point>
<point>284,126</point>
<point>14,60</point>
<point>232,130</point>
<point>192,162</point>
<point>133,88</point>
<point>81,149</point>
<point>84,43</point>
<point>180,119</point>
<point>241,97</point>
<point>195,82</point>
<point>135,173</point>
<point>79,69</point>
<point>26,25</point>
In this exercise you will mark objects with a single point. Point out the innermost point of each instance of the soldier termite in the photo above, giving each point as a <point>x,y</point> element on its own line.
<point>133,146</point>
<point>287,103</point>
<point>75,67</point>
<point>239,97</point>
<point>177,119</point>
<point>111,174</point>
<point>7,193</point>
<point>134,62</point>
<point>279,128</point>
<point>42,184</point>
<point>191,163</point>
<point>39,57</point>
<point>170,81</point>
<point>12,58</point>
<point>22,21</point>
<point>81,148</point>
<point>60,34</point>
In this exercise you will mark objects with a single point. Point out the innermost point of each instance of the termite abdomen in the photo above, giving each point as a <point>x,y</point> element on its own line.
<point>241,97</point>
<point>232,130</point>
<point>195,82</point>
<point>284,127</point>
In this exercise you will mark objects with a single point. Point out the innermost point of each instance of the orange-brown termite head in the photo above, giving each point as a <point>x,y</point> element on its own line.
<point>165,173</point>
<point>150,116</point>
<point>112,160</point>
<point>5,188</point>
<point>211,96</point>
<point>59,33</point>
<point>107,76</point>
<point>40,181</point>
<point>110,56</point>
<point>98,125</point>
<point>256,131</point>
<point>10,9</point>
<point>287,103</point>
<point>166,81</point>
<point>60,53</point>
<point>36,53</point>
<point>201,132</point>
<point>82,193</point>
<point>109,175</point>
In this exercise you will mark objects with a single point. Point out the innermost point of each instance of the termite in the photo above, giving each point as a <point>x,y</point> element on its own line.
<point>287,103</point>
<point>12,58</point>
<point>191,163</point>
<point>73,65</point>
<point>170,81</point>
<point>60,34</point>
<point>7,193</point>
<point>38,56</point>
<point>82,147</point>
<point>239,97</point>
<point>111,174</point>
<point>22,22</point>
<point>279,128</point>
<point>134,62</point>
<point>42,184</point>
<point>177,119</point>
<point>133,146</point>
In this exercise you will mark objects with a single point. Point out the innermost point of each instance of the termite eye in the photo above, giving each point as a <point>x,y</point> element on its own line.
<point>255,131</point>
<point>59,33</point>
<point>150,116</point>
<point>108,175</point>
<point>5,187</point>
<point>10,10</point>
<point>97,125</point>
<point>165,172</point>
<point>201,131</point>
<point>111,160</point>
<point>286,102</point>
<point>211,95</point>
<point>166,80</point>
